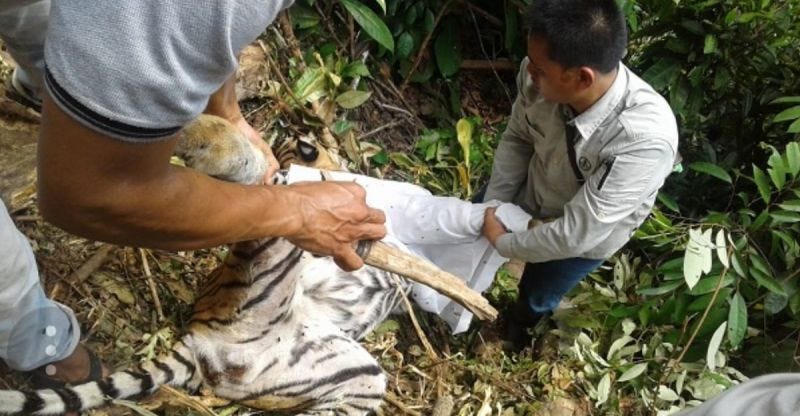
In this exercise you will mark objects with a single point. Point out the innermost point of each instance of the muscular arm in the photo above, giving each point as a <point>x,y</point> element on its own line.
<point>127,193</point>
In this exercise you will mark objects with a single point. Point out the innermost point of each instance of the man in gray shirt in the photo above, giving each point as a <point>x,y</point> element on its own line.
<point>117,81</point>
<point>588,145</point>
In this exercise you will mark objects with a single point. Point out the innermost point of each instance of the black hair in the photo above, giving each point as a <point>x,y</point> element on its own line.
<point>580,32</point>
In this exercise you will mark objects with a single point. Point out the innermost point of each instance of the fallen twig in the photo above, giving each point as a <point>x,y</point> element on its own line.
<point>395,401</point>
<point>152,285</point>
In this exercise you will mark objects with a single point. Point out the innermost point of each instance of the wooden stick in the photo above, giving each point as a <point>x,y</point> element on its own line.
<point>385,257</point>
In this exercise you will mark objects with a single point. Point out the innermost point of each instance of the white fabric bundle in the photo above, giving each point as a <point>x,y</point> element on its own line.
<point>444,230</point>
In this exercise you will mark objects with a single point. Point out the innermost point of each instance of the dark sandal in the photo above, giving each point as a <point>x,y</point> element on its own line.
<point>40,379</point>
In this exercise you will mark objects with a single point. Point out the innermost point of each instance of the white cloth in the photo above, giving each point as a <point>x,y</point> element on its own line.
<point>444,230</point>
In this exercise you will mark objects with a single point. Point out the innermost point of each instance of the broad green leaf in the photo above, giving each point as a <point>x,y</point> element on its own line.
<point>352,99</point>
<point>697,257</point>
<point>759,263</point>
<point>713,346</point>
<point>782,217</point>
<point>603,389</point>
<point>405,45</point>
<point>464,134</point>
<point>790,113</point>
<point>737,320</point>
<point>767,281</point>
<point>632,373</point>
<point>660,290</point>
<point>782,100</point>
<point>447,49</point>
<point>722,249</point>
<point>355,69</point>
<point>778,169</point>
<point>372,24</point>
<point>736,262</point>
<point>708,284</point>
<point>774,303</point>
<point>794,127</point>
<point>311,85</point>
<point>791,205</point>
<point>712,170</point>
<point>794,303</point>
<point>669,202</point>
<point>667,394</point>
<point>662,73</point>
<point>429,21</point>
<point>793,158</point>
<point>710,44</point>
<point>304,17</point>
<point>762,183</point>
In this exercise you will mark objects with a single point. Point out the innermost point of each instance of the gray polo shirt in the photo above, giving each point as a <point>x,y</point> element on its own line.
<point>625,146</point>
<point>138,70</point>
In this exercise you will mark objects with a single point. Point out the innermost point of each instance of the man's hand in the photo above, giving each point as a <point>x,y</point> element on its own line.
<point>335,216</point>
<point>492,227</point>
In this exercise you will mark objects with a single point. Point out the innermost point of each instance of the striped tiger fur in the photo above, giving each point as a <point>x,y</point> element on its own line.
<point>273,328</point>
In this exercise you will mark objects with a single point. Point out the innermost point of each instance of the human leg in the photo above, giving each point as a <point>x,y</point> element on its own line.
<point>540,290</point>
<point>544,284</point>
<point>23,26</point>
<point>34,330</point>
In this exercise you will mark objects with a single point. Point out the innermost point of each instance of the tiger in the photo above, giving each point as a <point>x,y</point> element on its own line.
<point>273,327</point>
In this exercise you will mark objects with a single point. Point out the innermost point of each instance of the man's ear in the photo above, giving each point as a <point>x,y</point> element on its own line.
<point>586,77</point>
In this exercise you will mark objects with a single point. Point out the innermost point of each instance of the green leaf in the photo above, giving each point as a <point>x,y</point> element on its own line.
<point>774,303</point>
<point>429,21</point>
<point>311,85</point>
<point>405,45</point>
<point>713,346</point>
<point>697,258</point>
<point>660,290</point>
<point>446,48</point>
<point>464,134</point>
<point>793,158</point>
<point>790,113</point>
<point>791,205</point>
<point>722,249</point>
<point>767,281</point>
<point>603,389</point>
<point>762,183</point>
<point>794,127</point>
<point>372,24</point>
<point>737,320</point>
<point>632,373</point>
<point>794,303</point>
<point>355,69</point>
<point>712,170</point>
<point>662,73</point>
<point>352,99</point>
<point>782,100</point>
<point>784,217</point>
<point>381,158</point>
<point>669,202</point>
<point>710,44</point>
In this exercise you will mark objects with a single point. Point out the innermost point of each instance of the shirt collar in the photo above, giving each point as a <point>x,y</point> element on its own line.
<point>588,121</point>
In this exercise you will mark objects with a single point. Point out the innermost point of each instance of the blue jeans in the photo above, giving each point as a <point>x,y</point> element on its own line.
<point>544,284</point>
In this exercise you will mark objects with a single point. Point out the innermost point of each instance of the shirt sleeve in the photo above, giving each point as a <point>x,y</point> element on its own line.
<point>514,152</point>
<point>138,70</point>
<point>607,197</point>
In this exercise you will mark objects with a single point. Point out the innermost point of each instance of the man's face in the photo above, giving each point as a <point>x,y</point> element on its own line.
<point>553,81</point>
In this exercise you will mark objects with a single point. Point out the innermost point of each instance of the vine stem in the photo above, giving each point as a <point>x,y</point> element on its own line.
<point>690,341</point>
<point>424,45</point>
